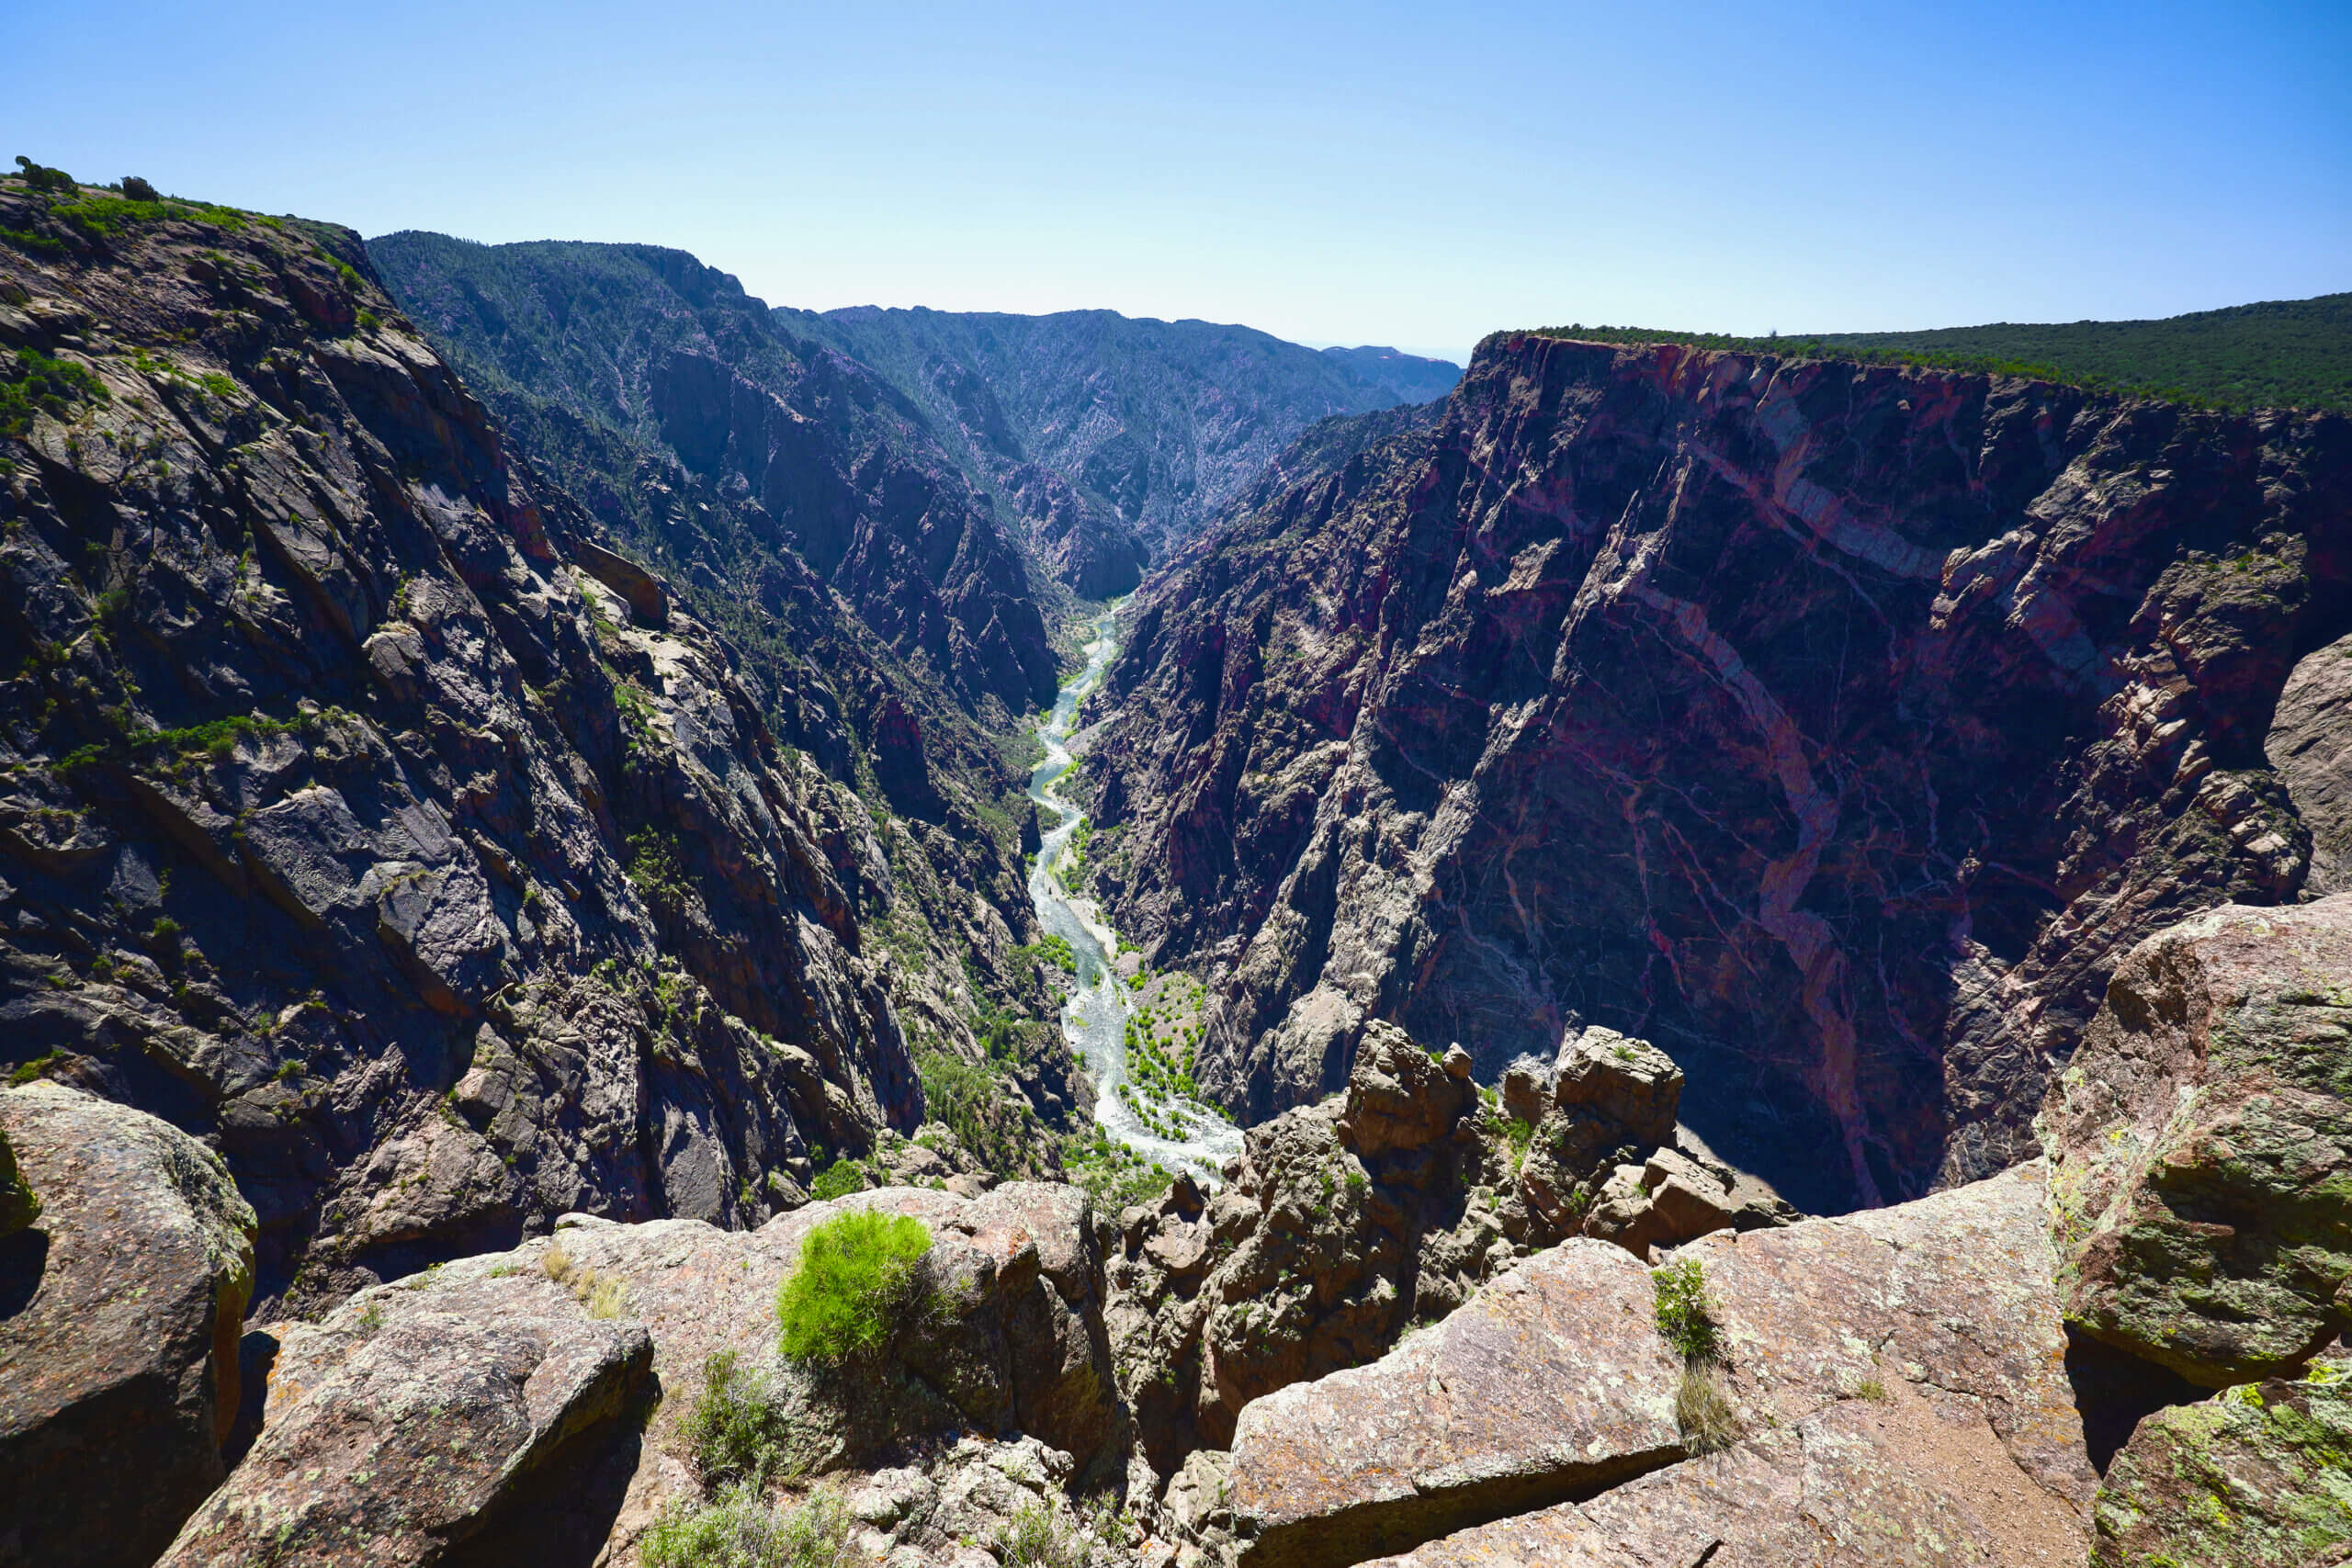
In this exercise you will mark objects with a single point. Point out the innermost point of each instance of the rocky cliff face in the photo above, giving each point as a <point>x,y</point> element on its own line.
<point>881,621</point>
<point>1837,728</point>
<point>1148,429</point>
<point>360,813</point>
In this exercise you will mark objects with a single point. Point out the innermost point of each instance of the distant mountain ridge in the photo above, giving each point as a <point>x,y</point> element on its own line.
<point>1095,424</point>
<point>671,356</point>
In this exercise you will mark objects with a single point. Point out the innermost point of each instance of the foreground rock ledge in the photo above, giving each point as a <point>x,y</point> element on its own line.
<point>494,1410</point>
<point>1896,1382</point>
<point>2201,1146</point>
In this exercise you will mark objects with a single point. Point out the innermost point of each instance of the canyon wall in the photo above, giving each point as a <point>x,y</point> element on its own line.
<point>361,812</point>
<point>1837,728</point>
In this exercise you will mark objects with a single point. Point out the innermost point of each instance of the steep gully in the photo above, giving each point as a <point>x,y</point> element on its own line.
<point>1094,1018</point>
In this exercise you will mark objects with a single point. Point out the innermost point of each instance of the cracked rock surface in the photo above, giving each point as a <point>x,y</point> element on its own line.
<point>2201,1146</point>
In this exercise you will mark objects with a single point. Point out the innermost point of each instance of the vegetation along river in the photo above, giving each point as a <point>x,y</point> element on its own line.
<point>1140,1102</point>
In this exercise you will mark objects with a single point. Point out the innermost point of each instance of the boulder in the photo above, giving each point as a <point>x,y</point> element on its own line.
<point>1668,1200</point>
<point>1612,1100</point>
<point>649,601</point>
<point>119,1313</point>
<point>2310,745</point>
<point>415,1423</point>
<point>1914,1477</point>
<point>2259,1476</point>
<point>1896,1376</point>
<point>2201,1146</point>
<point>1552,1382</point>
<point>1526,1093</point>
<point>1614,1078</point>
<point>1399,1097</point>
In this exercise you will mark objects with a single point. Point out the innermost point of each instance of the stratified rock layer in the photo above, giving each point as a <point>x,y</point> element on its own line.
<point>1837,727</point>
<point>2201,1142</point>
<point>119,1315</point>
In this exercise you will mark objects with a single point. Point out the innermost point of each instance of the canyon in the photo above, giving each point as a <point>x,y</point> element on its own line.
<point>1649,954</point>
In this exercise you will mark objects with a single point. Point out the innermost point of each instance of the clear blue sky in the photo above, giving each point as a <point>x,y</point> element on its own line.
<point>1416,174</point>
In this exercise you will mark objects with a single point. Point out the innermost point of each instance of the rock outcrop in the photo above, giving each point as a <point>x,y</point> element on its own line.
<point>496,1409</point>
<point>1888,1387</point>
<point>349,819</point>
<point>1348,1222</point>
<point>119,1315</point>
<point>2201,1146</point>
<point>1838,727</point>
<point>1341,1226</point>
<point>2258,1477</point>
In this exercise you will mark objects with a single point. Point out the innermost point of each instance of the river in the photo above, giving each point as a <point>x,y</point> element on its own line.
<point>1094,1019</point>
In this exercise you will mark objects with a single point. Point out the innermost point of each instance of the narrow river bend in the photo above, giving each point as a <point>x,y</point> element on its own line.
<point>1094,1019</point>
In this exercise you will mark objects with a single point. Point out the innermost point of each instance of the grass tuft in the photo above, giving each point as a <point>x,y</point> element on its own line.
<point>1704,1411</point>
<point>1039,1535</point>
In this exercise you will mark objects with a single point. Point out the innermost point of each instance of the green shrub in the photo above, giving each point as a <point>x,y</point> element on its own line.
<point>838,1180</point>
<point>1115,1176</point>
<point>1684,1319</point>
<point>35,383</point>
<point>26,1072</point>
<point>1040,1535</point>
<point>36,244</point>
<point>858,1275</point>
<point>138,189</point>
<point>742,1529</point>
<point>40,178</point>
<point>1049,949</point>
<point>657,870</point>
<point>734,1431</point>
<point>1519,1133</point>
<point>103,217</point>
<point>967,1098</point>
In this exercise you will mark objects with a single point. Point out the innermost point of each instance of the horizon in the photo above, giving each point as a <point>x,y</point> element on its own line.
<point>1332,176</point>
